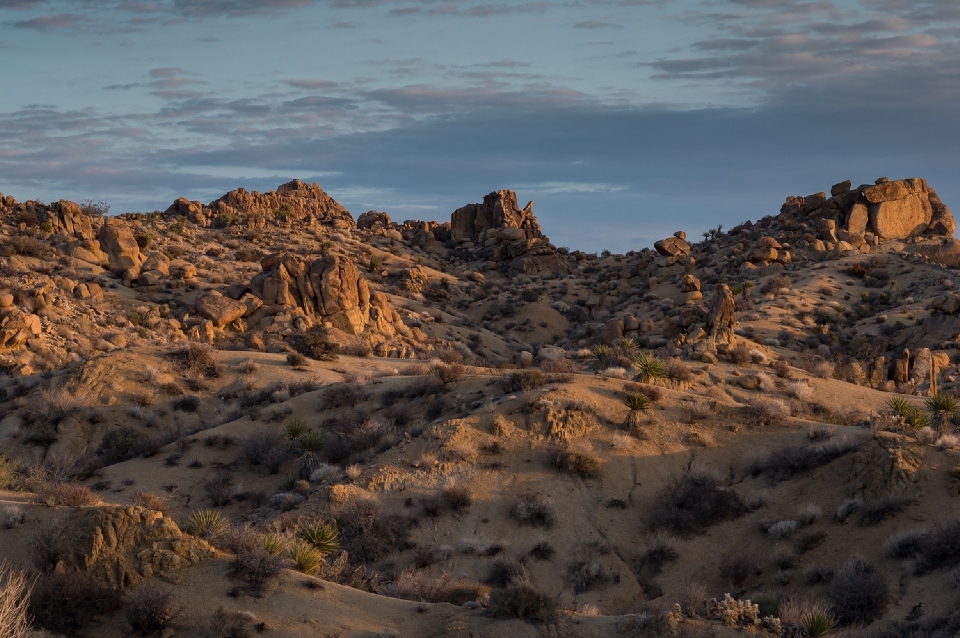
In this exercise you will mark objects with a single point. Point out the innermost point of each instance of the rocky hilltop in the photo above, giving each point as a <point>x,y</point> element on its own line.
<point>455,428</point>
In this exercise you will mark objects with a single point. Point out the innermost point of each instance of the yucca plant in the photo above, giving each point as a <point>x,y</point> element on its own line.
<point>649,367</point>
<point>941,408</point>
<point>600,356</point>
<point>205,523</point>
<point>296,428</point>
<point>817,622</point>
<point>636,400</point>
<point>305,558</point>
<point>307,464</point>
<point>911,414</point>
<point>273,544</point>
<point>627,347</point>
<point>288,484</point>
<point>321,536</point>
<point>310,441</point>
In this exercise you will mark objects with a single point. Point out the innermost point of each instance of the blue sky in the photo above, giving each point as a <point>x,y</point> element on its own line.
<point>623,119</point>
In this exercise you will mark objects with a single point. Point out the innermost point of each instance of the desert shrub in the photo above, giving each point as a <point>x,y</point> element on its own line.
<point>315,343</point>
<point>523,381</point>
<point>151,609</point>
<point>781,368</point>
<point>542,551</point>
<point>448,373</point>
<point>740,354</point>
<point>187,403</point>
<point>654,393</point>
<point>310,442</point>
<point>847,508</point>
<point>859,593</point>
<point>767,410</point>
<point>658,550</point>
<point>296,428</point>
<point>569,459</point>
<point>14,602</point>
<point>904,544</point>
<point>876,513</point>
<point>940,547</point>
<point>367,533</point>
<point>505,572</point>
<point>821,432</point>
<point>788,462</point>
<point>907,413</point>
<point>677,370</point>
<point>151,502</point>
<point>49,544</point>
<point>809,541</point>
<point>11,516</point>
<point>522,601</point>
<point>197,359</point>
<point>341,395</point>
<point>458,497</point>
<point>694,501</point>
<point>65,602</point>
<point>782,530</point>
<point>535,509</point>
<point>266,448</point>
<point>205,524</point>
<point>220,489</point>
<point>119,445</point>
<point>67,495</point>
<point>350,434</point>
<point>809,515</point>
<point>737,566</point>
<point>297,360</point>
<point>7,472</point>
<point>255,566</point>
<point>585,572</point>
<point>226,624</point>
<point>815,574</point>
<point>812,618</point>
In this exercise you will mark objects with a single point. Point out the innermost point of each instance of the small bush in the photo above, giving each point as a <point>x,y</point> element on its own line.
<point>737,566</point>
<point>305,558</point>
<point>296,428</point>
<point>255,566</point>
<point>786,463</point>
<point>809,515</point>
<point>505,572</point>
<point>782,530</point>
<point>847,508</point>
<point>659,549</point>
<point>563,457</point>
<point>226,624</point>
<point>14,602</point>
<point>859,593</point>
<point>781,368</point>
<point>522,601</point>
<point>151,609</point>
<point>694,501</point>
<point>266,448</point>
<point>187,403</point>
<point>297,360</point>
<point>904,544</point>
<point>940,547</point>
<point>767,410</point>
<point>649,368</point>
<point>119,445</point>
<point>636,401</point>
<point>197,359</point>
<point>876,513</point>
<point>220,489</point>
<point>315,343</point>
<point>532,508</point>
<point>809,541</point>
<point>352,434</point>
<point>458,497</point>
<point>367,533</point>
<point>815,574</point>
<point>67,495</point>
<point>341,395</point>
<point>523,381</point>
<point>542,551</point>
<point>813,618</point>
<point>66,602</point>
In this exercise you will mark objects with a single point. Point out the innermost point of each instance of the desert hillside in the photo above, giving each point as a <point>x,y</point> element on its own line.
<point>261,415</point>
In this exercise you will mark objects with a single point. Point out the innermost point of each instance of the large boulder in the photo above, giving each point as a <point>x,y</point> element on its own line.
<point>901,218</point>
<point>941,222</point>
<point>722,317</point>
<point>895,190</point>
<point>219,309</point>
<point>342,295</point>
<point>672,246</point>
<point>372,218</point>
<point>117,241</point>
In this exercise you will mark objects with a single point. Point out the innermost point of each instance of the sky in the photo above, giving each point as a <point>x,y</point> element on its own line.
<point>623,120</point>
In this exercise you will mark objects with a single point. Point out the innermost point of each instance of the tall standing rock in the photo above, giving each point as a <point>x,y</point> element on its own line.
<point>117,241</point>
<point>722,317</point>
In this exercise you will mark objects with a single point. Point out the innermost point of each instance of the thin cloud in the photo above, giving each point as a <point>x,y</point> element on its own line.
<point>62,21</point>
<point>595,24</point>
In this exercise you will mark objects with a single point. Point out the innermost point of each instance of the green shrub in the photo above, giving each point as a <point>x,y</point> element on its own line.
<point>297,360</point>
<point>649,368</point>
<point>296,428</point>
<point>522,601</point>
<point>321,536</point>
<point>636,400</point>
<point>305,558</point>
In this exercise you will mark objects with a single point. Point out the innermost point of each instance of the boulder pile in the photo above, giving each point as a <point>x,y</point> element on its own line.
<point>885,210</point>
<point>293,202</point>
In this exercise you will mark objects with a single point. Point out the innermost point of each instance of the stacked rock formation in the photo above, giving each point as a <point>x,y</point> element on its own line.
<point>885,210</point>
<point>329,290</point>
<point>293,202</point>
<point>498,211</point>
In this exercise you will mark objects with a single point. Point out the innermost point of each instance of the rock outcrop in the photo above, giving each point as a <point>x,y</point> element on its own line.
<point>329,290</point>
<point>887,210</point>
<point>16,326</point>
<point>722,317</point>
<point>293,202</point>
<point>117,241</point>
<point>499,210</point>
<point>120,546</point>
